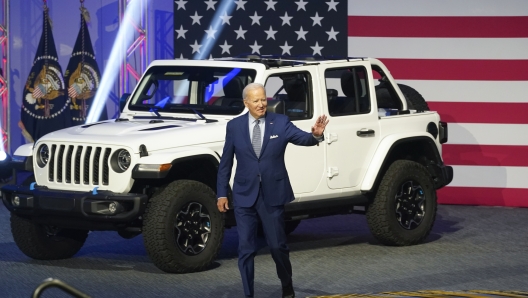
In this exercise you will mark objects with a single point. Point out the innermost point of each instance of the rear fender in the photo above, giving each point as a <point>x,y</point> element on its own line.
<point>381,158</point>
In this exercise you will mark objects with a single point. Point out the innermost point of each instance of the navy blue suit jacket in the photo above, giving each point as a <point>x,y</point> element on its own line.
<point>268,170</point>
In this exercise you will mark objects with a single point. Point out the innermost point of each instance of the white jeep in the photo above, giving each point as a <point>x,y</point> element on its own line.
<point>153,170</point>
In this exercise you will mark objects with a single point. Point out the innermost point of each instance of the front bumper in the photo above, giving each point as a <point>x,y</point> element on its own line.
<point>97,206</point>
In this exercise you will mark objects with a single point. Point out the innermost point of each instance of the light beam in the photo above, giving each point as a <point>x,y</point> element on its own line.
<point>124,38</point>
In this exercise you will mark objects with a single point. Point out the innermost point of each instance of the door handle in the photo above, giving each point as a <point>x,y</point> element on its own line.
<point>365,132</point>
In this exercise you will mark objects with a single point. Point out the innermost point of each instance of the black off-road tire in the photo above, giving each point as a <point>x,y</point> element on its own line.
<point>43,242</point>
<point>290,226</point>
<point>415,100</point>
<point>404,208</point>
<point>185,209</point>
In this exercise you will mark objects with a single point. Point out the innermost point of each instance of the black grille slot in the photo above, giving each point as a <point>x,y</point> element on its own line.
<point>106,168</point>
<point>51,167</point>
<point>86,167</point>
<point>77,165</point>
<point>96,161</point>
<point>68,164</point>
<point>59,163</point>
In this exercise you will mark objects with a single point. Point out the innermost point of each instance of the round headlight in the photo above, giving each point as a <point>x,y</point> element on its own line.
<point>43,155</point>
<point>123,159</point>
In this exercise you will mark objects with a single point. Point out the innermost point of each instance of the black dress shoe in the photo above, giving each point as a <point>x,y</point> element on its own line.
<point>288,292</point>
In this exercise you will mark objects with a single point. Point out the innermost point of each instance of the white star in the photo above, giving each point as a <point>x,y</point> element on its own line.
<point>301,5</point>
<point>317,19</point>
<point>210,56</point>
<point>196,18</point>
<point>270,4</point>
<point>181,32</point>
<point>332,5</point>
<point>270,33</point>
<point>210,4</point>
<point>225,18</point>
<point>240,4</point>
<point>286,19</point>
<point>196,47</point>
<point>240,33</point>
<point>301,34</point>
<point>225,47</point>
<point>317,49</point>
<point>286,48</point>
<point>332,34</point>
<point>255,48</point>
<point>181,56</point>
<point>210,33</point>
<point>181,4</point>
<point>255,19</point>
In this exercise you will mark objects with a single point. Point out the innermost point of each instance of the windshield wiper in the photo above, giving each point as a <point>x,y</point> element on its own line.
<point>195,111</point>
<point>160,105</point>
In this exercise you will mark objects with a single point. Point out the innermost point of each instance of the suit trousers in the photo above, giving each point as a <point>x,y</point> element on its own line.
<point>272,218</point>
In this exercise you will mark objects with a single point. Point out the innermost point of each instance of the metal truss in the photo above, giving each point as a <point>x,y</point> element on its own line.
<point>4,74</point>
<point>131,71</point>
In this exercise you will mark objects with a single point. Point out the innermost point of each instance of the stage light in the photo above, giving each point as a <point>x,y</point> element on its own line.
<point>226,7</point>
<point>124,38</point>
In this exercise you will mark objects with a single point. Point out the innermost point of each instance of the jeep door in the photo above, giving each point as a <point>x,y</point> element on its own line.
<point>291,93</point>
<point>353,133</point>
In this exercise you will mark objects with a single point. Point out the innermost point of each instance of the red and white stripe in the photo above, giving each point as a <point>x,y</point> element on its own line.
<point>469,59</point>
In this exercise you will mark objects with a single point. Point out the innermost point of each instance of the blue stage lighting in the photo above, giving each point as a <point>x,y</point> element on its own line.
<point>226,7</point>
<point>124,38</point>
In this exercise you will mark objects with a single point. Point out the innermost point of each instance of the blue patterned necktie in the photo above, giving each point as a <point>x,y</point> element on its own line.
<point>255,141</point>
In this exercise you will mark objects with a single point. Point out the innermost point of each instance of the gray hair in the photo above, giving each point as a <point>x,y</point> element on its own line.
<point>252,86</point>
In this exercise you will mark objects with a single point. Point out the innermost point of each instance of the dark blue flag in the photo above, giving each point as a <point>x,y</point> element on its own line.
<point>82,75</point>
<point>45,104</point>
<point>286,27</point>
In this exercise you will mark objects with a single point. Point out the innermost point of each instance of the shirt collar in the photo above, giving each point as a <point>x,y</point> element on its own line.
<point>253,119</point>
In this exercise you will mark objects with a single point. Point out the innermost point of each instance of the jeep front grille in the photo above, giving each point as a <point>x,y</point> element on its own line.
<point>72,164</point>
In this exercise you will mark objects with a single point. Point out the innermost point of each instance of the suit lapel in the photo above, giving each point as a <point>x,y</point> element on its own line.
<point>270,119</point>
<point>246,135</point>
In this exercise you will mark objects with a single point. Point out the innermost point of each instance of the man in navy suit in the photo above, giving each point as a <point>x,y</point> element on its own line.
<point>261,185</point>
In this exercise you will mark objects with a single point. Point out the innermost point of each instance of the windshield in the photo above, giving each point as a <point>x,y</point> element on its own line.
<point>187,89</point>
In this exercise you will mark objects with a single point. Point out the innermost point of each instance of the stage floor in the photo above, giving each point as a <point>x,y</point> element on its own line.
<point>470,248</point>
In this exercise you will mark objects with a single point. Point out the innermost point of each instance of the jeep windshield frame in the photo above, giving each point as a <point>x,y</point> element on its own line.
<point>187,89</point>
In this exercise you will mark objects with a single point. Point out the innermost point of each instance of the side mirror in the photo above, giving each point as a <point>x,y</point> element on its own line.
<point>122,101</point>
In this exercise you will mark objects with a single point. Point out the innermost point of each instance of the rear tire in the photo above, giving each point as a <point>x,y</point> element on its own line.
<point>183,229</point>
<point>404,208</point>
<point>43,242</point>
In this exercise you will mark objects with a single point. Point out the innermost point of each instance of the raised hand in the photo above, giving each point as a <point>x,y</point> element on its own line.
<point>319,126</point>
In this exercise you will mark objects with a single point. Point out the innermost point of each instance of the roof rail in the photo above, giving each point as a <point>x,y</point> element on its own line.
<point>284,60</point>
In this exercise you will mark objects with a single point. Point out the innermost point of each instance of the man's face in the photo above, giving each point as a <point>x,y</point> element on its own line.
<point>256,102</point>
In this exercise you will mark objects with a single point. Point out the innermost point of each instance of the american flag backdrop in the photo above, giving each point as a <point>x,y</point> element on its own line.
<point>265,27</point>
<point>469,59</point>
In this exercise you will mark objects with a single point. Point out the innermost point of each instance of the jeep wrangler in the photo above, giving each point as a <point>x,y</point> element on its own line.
<point>152,171</point>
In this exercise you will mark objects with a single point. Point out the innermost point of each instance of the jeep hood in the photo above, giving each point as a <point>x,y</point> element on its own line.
<point>155,134</point>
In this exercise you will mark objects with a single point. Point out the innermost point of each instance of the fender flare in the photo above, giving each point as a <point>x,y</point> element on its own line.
<point>383,151</point>
<point>172,157</point>
<point>177,154</point>
<point>24,150</point>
